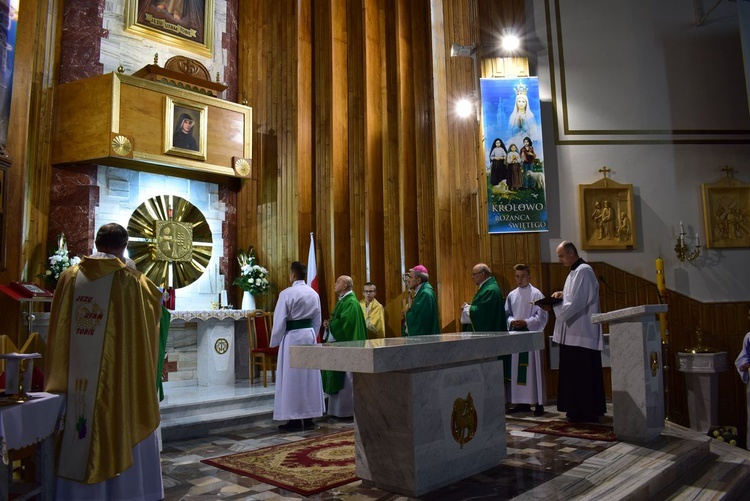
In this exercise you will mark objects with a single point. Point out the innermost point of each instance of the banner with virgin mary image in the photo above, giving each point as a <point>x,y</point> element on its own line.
<point>514,155</point>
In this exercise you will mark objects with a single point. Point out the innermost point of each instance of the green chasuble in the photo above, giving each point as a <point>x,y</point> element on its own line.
<point>422,317</point>
<point>347,324</point>
<point>487,313</point>
<point>163,333</point>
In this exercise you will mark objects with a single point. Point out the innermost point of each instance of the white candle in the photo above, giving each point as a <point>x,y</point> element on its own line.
<point>223,301</point>
<point>682,228</point>
<point>697,240</point>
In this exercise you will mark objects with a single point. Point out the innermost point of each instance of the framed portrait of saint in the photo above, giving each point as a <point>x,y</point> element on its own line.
<point>606,214</point>
<point>186,24</point>
<point>185,129</point>
<point>726,210</point>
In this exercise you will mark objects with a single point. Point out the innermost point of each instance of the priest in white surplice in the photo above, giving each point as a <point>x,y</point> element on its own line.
<point>102,353</point>
<point>296,322</point>
<point>527,371</point>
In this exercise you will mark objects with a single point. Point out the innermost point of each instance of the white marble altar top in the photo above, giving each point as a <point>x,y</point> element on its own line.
<point>629,313</point>
<point>208,314</point>
<point>416,352</point>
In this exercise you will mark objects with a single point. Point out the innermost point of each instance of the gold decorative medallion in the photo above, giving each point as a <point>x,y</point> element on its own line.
<point>174,241</point>
<point>170,241</point>
<point>122,146</point>
<point>242,167</point>
<point>463,420</point>
<point>221,346</point>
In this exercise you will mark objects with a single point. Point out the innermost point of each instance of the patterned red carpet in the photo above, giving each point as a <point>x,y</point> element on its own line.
<point>306,467</point>
<point>588,431</point>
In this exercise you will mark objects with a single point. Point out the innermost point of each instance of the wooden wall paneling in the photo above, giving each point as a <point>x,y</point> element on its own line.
<point>398,130</point>
<point>440,181</point>
<point>304,129</point>
<point>381,36</point>
<point>29,177</point>
<point>414,121</point>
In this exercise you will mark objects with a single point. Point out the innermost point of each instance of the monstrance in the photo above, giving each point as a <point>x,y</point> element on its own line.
<point>170,241</point>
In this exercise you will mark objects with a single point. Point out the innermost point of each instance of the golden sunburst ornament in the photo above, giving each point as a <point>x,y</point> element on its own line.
<point>121,145</point>
<point>170,241</point>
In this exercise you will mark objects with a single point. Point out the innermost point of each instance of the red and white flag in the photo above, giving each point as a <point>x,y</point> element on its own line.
<point>312,269</point>
<point>312,274</point>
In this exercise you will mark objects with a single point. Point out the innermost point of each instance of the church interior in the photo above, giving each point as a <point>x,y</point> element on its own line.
<point>328,128</point>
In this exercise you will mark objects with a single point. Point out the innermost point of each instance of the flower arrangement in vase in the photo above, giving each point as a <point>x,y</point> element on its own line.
<point>59,261</point>
<point>253,278</point>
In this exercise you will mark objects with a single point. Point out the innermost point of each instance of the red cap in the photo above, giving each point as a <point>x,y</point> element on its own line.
<point>420,269</point>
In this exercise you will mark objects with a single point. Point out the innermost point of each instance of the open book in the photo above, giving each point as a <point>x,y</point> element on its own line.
<point>548,300</point>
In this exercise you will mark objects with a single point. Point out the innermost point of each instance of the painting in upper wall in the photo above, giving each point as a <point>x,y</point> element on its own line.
<point>514,155</point>
<point>186,24</point>
<point>8,24</point>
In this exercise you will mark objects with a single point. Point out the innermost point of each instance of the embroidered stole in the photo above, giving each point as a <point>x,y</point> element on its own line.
<point>87,331</point>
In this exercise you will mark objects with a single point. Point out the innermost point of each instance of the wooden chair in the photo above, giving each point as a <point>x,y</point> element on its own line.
<point>259,325</point>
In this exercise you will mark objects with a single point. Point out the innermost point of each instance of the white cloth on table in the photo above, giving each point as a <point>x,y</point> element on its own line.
<point>299,392</point>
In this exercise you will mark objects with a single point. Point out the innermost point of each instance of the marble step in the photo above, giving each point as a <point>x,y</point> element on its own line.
<point>205,413</point>
<point>725,474</point>
<point>633,472</point>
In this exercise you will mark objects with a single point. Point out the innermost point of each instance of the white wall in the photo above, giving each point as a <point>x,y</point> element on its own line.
<point>121,191</point>
<point>623,77</point>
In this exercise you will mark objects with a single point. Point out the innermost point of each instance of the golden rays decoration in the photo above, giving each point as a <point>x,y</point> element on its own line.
<point>170,241</point>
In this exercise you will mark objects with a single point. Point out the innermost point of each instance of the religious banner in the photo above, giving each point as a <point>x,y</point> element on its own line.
<point>516,197</point>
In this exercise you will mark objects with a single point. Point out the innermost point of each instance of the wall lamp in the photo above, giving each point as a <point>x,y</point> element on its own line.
<point>464,105</point>
<point>683,250</point>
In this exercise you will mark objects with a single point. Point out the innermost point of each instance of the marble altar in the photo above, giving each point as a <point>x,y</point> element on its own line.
<point>637,371</point>
<point>429,410</point>
<point>216,343</point>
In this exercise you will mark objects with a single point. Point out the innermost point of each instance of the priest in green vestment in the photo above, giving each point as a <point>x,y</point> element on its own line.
<point>346,324</point>
<point>486,312</point>
<point>421,316</point>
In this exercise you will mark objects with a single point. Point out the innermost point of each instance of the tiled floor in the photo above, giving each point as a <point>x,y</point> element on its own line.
<point>531,461</point>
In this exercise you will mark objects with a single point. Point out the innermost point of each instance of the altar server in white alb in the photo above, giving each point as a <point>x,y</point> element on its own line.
<point>743,366</point>
<point>296,322</point>
<point>102,353</point>
<point>527,372</point>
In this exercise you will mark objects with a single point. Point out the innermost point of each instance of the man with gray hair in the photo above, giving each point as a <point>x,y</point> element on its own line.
<point>347,323</point>
<point>421,313</point>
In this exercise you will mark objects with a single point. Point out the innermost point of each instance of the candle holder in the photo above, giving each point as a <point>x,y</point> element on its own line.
<point>683,250</point>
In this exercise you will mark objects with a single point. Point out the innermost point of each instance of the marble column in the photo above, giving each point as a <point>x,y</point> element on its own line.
<point>637,377</point>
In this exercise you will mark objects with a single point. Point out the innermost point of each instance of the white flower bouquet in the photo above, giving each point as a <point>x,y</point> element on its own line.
<point>253,277</point>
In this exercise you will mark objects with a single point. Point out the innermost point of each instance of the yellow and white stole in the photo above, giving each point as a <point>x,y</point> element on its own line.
<point>87,331</point>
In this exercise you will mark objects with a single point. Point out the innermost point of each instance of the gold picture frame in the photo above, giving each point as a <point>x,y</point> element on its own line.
<point>186,24</point>
<point>185,129</point>
<point>726,213</point>
<point>607,215</point>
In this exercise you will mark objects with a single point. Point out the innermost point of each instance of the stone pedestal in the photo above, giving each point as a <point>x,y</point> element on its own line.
<point>428,410</point>
<point>702,383</point>
<point>637,378</point>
